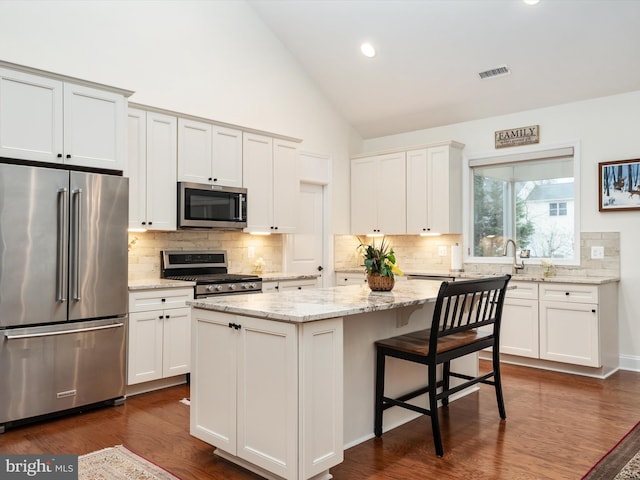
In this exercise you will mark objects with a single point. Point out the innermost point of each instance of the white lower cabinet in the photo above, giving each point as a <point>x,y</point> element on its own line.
<point>570,324</point>
<point>519,330</point>
<point>268,394</point>
<point>159,343</point>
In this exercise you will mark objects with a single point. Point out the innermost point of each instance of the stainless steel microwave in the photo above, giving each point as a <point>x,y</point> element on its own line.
<point>211,206</point>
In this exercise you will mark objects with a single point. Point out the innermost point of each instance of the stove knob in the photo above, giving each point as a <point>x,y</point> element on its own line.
<point>217,288</point>
<point>209,288</point>
<point>232,286</point>
<point>252,285</point>
<point>244,286</point>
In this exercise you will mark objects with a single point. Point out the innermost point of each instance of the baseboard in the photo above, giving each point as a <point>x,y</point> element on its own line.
<point>630,362</point>
<point>145,387</point>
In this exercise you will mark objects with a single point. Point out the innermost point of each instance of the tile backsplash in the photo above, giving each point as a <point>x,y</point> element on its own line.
<point>422,254</point>
<point>145,248</point>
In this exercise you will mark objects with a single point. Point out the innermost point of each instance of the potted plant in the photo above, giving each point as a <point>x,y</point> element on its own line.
<point>380,265</point>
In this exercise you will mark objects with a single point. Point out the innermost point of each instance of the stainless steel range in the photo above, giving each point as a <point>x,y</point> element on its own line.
<point>209,270</point>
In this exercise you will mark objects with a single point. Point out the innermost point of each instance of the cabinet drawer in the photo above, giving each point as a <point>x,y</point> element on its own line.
<point>297,284</point>
<point>145,300</point>
<point>343,279</point>
<point>569,292</point>
<point>528,290</point>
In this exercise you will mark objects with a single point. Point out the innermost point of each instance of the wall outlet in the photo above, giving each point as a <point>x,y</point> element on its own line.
<point>252,252</point>
<point>597,253</point>
<point>442,251</point>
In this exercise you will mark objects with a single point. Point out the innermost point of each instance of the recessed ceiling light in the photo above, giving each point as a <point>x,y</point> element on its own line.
<point>531,2</point>
<point>368,50</point>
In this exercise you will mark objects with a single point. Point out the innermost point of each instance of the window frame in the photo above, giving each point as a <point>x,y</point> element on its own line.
<point>512,157</point>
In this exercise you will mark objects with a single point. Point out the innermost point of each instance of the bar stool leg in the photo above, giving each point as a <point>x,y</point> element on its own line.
<point>446,369</point>
<point>433,407</point>
<point>380,364</point>
<point>497,378</point>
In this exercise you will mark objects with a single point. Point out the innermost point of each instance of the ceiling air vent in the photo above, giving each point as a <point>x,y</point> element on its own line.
<point>495,72</point>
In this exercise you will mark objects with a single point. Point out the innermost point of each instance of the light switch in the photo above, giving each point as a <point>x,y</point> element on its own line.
<point>597,253</point>
<point>251,252</point>
<point>442,251</point>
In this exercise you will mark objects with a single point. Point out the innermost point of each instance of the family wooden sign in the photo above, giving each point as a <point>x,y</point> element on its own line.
<point>515,137</point>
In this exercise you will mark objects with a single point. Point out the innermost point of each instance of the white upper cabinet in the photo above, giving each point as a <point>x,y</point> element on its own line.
<point>50,120</point>
<point>378,194</point>
<point>270,175</point>
<point>209,153</point>
<point>434,190</point>
<point>152,170</point>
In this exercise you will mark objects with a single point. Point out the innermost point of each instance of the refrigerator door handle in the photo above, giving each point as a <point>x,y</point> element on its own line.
<point>61,260</point>
<point>18,336</point>
<point>75,243</point>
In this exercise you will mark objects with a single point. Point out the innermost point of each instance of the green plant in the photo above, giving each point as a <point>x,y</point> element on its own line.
<point>380,259</point>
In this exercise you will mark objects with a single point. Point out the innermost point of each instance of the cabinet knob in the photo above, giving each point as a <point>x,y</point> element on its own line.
<point>150,223</point>
<point>167,316</point>
<point>566,293</point>
<point>210,178</point>
<point>68,155</point>
<point>163,300</point>
<point>59,155</point>
<point>277,287</point>
<point>299,288</point>
<point>215,179</point>
<point>593,310</point>
<point>144,223</point>
<point>160,317</point>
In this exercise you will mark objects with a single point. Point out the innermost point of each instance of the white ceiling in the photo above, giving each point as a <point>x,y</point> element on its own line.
<point>430,52</point>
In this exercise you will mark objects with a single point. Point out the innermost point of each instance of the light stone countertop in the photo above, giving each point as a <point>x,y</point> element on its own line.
<point>520,277</point>
<point>300,306</point>
<point>155,282</point>
<point>277,276</point>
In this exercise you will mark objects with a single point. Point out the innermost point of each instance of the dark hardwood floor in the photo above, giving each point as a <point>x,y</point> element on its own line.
<point>557,427</point>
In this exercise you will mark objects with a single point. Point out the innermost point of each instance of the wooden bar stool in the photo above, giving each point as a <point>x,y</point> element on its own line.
<point>461,308</point>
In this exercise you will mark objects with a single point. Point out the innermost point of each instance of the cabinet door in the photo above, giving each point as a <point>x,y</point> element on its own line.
<point>213,385</point>
<point>195,152</point>
<point>94,127</point>
<point>391,194</point>
<point>227,156</point>
<point>268,395</point>
<point>137,167</point>
<point>145,346</point>
<point>161,171</point>
<point>176,351</point>
<point>569,333</point>
<point>270,287</point>
<point>519,330</point>
<point>417,187</point>
<point>321,392</point>
<point>257,175</point>
<point>364,193</point>
<point>30,117</point>
<point>286,186</point>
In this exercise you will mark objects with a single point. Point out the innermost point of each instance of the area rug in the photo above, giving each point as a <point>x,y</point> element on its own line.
<point>622,462</point>
<point>118,463</point>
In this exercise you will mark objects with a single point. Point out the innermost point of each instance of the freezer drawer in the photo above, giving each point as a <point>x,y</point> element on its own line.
<point>58,367</point>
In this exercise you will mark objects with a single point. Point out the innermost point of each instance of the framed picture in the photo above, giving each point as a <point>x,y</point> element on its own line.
<point>619,185</point>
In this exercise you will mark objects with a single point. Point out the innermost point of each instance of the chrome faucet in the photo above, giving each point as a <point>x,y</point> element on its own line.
<point>516,266</point>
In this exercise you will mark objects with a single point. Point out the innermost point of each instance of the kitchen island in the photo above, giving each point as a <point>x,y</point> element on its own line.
<point>282,383</point>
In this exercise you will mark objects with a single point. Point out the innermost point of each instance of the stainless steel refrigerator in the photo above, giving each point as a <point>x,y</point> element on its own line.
<point>63,290</point>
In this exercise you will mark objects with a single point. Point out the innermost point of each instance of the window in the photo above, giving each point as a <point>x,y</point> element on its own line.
<point>529,198</point>
<point>557,209</point>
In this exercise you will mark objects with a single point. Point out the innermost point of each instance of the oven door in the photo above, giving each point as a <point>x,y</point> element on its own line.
<point>211,206</point>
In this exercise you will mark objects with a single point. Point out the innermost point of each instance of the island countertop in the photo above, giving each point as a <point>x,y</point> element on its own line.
<point>322,303</point>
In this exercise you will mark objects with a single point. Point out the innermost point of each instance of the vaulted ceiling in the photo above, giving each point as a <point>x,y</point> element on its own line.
<point>430,52</point>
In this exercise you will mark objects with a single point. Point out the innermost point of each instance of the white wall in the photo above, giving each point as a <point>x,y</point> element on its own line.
<point>214,59</point>
<point>606,129</point>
